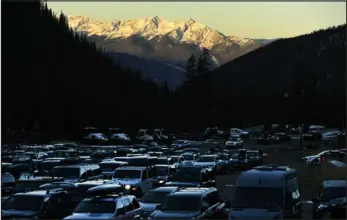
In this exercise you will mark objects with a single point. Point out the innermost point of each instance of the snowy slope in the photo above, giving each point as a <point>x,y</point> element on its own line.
<point>157,38</point>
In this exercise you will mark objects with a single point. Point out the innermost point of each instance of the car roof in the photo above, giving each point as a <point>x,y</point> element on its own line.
<point>263,178</point>
<point>69,166</point>
<point>191,191</point>
<point>208,155</point>
<point>39,193</point>
<point>113,162</point>
<point>165,189</point>
<point>91,182</point>
<point>334,183</point>
<point>188,153</point>
<point>108,198</point>
<point>131,168</point>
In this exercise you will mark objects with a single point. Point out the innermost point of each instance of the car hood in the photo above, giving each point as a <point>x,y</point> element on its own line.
<point>18,214</point>
<point>232,142</point>
<point>311,157</point>
<point>148,207</point>
<point>186,184</point>
<point>204,164</point>
<point>254,214</point>
<point>126,181</point>
<point>90,216</point>
<point>174,214</point>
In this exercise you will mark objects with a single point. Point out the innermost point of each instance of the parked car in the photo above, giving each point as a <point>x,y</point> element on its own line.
<point>330,190</point>
<point>279,138</point>
<point>180,144</point>
<point>264,138</point>
<point>188,203</point>
<point>234,142</point>
<point>238,132</point>
<point>153,198</point>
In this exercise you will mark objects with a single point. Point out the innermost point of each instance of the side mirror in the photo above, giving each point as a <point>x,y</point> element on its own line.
<point>228,204</point>
<point>137,217</point>
<point>158,207</point>
<point>204,208</point>
<point>315,200</point>
<point>322,207</point>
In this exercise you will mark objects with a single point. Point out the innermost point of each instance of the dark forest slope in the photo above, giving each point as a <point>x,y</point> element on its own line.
<point>60,81</point>
<point>251,88</point>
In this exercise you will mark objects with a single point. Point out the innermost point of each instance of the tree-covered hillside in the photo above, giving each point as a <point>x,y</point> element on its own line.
<point>264,86</point>
<point>55,80</point>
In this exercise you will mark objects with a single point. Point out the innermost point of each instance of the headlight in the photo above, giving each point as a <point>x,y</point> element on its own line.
<point>161,181</point>
<point>127,187</point>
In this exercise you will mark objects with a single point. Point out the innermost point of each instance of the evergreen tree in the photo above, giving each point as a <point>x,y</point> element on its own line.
<point>204,62</point>
<point>191,68</point>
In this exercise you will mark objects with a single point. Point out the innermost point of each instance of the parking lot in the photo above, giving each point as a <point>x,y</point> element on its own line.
<point>288,154</point>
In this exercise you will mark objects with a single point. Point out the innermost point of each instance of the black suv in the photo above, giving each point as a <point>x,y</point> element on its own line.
<point>188,203</point>
<point>192,177</point>
<point>42,204</point>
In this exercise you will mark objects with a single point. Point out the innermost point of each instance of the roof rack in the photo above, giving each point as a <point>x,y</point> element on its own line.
<point>271,167</point>
<point>106,189</point>
<point>54,190</point>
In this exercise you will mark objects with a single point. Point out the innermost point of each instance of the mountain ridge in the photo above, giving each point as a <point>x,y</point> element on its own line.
<point>157,38</point>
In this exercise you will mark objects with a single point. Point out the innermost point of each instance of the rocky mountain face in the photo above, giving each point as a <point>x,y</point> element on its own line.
<point>160,39</point>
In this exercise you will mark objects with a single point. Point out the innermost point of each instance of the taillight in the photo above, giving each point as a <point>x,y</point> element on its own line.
<point>323,158</point>
<point>133,189</point>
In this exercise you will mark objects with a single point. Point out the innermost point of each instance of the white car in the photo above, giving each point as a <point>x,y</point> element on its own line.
<point>142,135</point>
<point>212,161</point>
<point>180,144</point>
<point>238,132</point>
<point>137,180</point>
<point>234,142</point>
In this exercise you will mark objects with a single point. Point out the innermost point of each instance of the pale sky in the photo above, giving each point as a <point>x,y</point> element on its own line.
<point>242,19</point>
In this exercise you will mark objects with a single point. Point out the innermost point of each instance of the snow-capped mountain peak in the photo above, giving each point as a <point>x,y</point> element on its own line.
<point>179,31</point>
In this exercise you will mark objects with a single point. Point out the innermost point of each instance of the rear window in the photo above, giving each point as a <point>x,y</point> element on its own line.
<point>333,193</point>
<point>23,202</point>
<point>66,172</point>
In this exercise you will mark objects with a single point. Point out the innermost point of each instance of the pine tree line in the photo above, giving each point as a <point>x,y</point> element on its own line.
<point>198,66</point>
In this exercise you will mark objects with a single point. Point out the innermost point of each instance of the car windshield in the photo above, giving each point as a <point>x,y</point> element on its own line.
<point>154,197</point>
<point>235,156</point>
<point>251,154</point>
<point>161,171</point>
<point>206,159</point>
<point>64,154</point>
<point>188,156</point>
<point>262,198</point>
<point>161,161</point>
<point>224,157</point>
<point>127,174</point>
<point>138,162</point>
<point>23,202</point>
<point>96,206</point>
<point>108,166</point>
<point>66,172</point>
<point>181,203</point>
<point>233,139</point>
<point>140,133</point>
<point>333,193</point>
<point>179,142</point>
<point>187,175</point>
<point>49,165</point>
<point>174,160</point>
